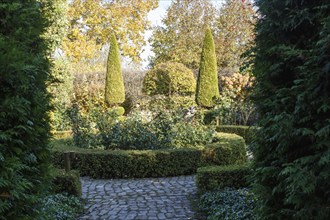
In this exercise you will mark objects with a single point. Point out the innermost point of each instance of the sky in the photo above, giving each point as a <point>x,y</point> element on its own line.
<point>155,17</point>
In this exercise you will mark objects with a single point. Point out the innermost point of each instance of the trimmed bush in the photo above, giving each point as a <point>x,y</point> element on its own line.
<point>247,132</point>
<point>218,177</point>
<point>132,164</point>
<point>168,79</point>
<point>114,84</point>
<point>207,83</point>
<point>119,111</point>
<point>99,163</point>
<point>67,182</point>
<point>226,149</point>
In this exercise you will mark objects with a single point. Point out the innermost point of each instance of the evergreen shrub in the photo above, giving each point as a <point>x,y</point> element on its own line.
<point>114,84</point>
<point>169,79</point>
<point>226,149</point>
<point>66,182</point>
<point>292,150</point>
<point>24,106</point>
<point>108,164</point>
<point>165,130</point>
<point>207,82</point>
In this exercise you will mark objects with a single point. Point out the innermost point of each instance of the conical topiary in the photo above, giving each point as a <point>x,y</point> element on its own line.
<point>114,84</point>
<point>207,82</point>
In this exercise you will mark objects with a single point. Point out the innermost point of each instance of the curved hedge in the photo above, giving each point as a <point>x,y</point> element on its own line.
<point>227,149</point>
<point>96,163</point>
<point>219,177</point>
<point>247,132</point>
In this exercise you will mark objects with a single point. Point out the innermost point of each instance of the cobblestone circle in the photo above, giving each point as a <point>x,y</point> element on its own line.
<point>142,199</point>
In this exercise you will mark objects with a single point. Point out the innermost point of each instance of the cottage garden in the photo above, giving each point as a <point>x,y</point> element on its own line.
<point>182,144</point>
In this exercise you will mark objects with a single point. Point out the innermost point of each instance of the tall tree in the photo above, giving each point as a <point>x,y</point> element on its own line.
<point>207,83</point>
<point>24,103</point>
<point>234,34</point>
<point>91,22</point>
<point>114,84</point>
<point>180,37</point>
<point>292,150</point>
<point>55,13</point>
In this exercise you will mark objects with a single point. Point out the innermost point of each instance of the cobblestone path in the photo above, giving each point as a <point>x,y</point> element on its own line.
<point>143,199</point>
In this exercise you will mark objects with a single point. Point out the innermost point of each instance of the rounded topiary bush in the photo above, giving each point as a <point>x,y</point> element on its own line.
<point>120,111</point>
<point>169,78</point>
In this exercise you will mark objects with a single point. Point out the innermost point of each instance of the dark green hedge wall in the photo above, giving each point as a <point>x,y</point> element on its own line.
<point>292,69</point>
<point>24,102</point>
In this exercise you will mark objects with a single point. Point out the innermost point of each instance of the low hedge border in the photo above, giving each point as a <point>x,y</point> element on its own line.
<point>96,163</point>
<point>219,177</point>
<point>247,132</point>
<point>132,164</point>
<point>66,182</point>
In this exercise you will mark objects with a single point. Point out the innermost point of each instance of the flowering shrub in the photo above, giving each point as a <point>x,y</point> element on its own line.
<point>236,86</point>
<point>234,105</point>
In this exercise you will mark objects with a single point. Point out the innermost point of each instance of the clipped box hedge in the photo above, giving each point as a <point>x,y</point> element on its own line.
<point>218,177</point>
<point>132,164</point>
<point>227,149</point>
<point>66,182</point>
<point>97,163</point>
<point>247,132</point>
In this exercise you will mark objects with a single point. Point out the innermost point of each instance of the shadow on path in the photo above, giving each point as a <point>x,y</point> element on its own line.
<point>143,199</point>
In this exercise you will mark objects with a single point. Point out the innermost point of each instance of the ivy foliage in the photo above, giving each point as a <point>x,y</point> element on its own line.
<point>207,82</point>
<point>169,78</point>
<point>114,88</point>
<point>292,151</point>
<point>24,128</point>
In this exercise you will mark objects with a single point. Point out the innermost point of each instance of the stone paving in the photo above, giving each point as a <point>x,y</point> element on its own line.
<point>143,199</point>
